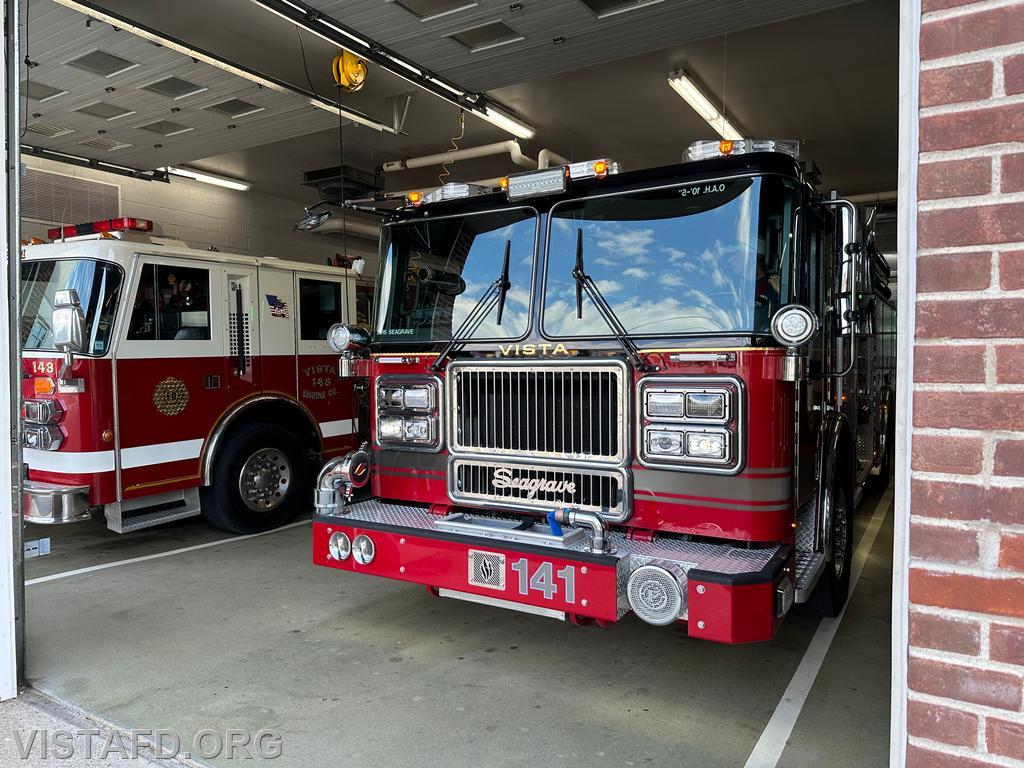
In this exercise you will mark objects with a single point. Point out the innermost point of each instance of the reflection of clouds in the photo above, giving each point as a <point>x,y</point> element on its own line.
<point>604,261</point>
<point>632,242</point>
<point>668,315</point>
<point>636,272</point>
<point>608,286</point>
<point>670,280</point>
<point>674,254</point>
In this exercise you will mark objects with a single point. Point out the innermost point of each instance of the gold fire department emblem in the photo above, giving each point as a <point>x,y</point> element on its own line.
<point>170,396</point>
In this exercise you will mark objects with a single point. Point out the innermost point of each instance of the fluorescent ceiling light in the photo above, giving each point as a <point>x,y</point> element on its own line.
<point>206,178</point>
<point>121,22</point>
<point>685,87</point>
<point>515,127</point>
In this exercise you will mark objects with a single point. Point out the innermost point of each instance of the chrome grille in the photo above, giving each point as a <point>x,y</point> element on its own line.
<point>518,486</point>
<point>557,411</point>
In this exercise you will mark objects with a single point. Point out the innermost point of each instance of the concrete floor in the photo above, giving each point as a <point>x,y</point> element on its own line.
<point>351,670</point>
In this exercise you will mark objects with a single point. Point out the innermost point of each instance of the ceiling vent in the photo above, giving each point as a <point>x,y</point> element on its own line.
<point>235,108</point>
<point>105,111</point>
<point>174,88</point>
<point>487,36</point>
<point>604,8</point>
<point>358,184</point>
<point>105,144</point>
<point>49,130</point>
<point>427,10</point>
<point>39,91</point>
<point>102,63</point>
<point>166,128</point>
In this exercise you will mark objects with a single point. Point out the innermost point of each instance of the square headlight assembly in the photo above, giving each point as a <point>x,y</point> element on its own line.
<point>707,446</point>
<point>411,397</point>
<point>706,405</point>
<point>665,442</point>
<point>666,405</point>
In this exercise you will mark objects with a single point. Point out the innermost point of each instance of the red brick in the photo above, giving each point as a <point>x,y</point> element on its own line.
<point>954,178</point>
<point>919,757</point>
<point>965,592</point>
<point>935,723</point>
<point>943,545</point>
<point>972,225</point>
<point>969,410</point>
<point>953,364</point>
<point>971,128</point>
<point>1013,74</point>
<point>962,501</point>
<point>1009,458</point>
<point>1012,173</point>
<point>1006,644</point>
<point>1001,690</point>
<point>938,5</point>
<point>1004,738</point>
<point>970,318</point>
<point>949,85</point>
<point>947,453</point>
<point>954,272</point>
<point>1010,363</point>
<point>972,32</point>
<point>1011,270</point>
<point>943,634</point>
<point>1011,551</point>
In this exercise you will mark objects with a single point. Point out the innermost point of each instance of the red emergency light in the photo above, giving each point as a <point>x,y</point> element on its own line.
<point>121,224</point>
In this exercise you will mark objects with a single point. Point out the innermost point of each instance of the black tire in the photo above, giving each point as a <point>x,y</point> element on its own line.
<point>277,484</point>
<point>833,587</point>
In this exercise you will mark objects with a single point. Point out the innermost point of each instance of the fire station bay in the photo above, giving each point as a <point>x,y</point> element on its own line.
<point>463,383</point>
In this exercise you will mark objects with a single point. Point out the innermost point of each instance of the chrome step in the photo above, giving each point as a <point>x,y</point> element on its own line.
<point>135,515</point>
<point>809,567</point>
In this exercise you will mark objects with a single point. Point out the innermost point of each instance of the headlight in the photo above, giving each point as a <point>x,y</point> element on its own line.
<point>794,325</point>
<point>665,443</point>
<point>705,405</point>
<point>417,430</point>
<point>390,427</point>
<point>408,412</point>
<point>413,398</point>
<point>705,445</point>
<point>340,546</point>
<point>684,404</point>
<point>363,549</point>
<point>341,337</point>
<point>665,404</point>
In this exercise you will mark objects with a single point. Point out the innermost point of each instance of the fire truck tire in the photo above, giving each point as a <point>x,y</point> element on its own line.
<point>833,587</point>
<point>261,479</point>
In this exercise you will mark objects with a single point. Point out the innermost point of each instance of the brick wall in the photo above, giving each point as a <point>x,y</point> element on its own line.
<point>966,579</point>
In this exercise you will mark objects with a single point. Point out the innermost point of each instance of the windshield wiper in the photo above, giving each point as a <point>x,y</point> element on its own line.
<point>494,295</point>
<point>585,282</point>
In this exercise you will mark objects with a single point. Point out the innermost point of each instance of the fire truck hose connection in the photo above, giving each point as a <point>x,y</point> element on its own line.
<point>327,497</point>
<point>599,541</point>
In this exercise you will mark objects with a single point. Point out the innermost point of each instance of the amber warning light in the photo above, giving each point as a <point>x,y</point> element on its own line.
<point>122,224</point>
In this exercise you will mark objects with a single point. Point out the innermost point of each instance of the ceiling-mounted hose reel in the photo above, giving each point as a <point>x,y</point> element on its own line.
<point>349,71</point>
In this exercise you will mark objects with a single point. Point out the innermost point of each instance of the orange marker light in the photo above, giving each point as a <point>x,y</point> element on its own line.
<point>600,169</point>
<point>415,198</point>
<point>108,437</point>
<point>42,385</point>
<point>725,147</point>
<point>503,183</point>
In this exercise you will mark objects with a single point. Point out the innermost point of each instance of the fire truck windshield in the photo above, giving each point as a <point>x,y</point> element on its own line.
<point>708,257</point>
<point>98,284</point>
<point>435,271</point>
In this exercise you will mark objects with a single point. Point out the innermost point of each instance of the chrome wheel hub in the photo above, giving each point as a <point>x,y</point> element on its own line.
<point>263,481</point>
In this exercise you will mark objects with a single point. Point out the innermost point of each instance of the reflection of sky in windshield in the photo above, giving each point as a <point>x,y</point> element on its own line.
<point>677,274</point>
<point>474,253</point>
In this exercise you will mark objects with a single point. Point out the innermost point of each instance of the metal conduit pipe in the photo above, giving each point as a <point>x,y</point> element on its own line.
<point>599,541</point>
<point>327,496</point>
<point>548,157</point>
<point>469,153</point>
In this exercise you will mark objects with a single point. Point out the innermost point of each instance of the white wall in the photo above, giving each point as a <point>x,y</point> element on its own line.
<point>203,215</point>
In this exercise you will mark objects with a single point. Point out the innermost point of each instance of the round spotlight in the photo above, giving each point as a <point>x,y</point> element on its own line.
<point>794,325</point>
<point>355,469</point>
<point>341,337</point>
<point>363,550</point>
<point>655,595</point>
<point>340,546</point>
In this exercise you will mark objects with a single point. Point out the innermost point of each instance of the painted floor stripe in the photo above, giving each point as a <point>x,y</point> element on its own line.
<point>769,748</point>
<point>157,556</point>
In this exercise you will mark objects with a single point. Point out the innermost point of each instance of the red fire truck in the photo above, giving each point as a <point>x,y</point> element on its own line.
<point>161,382</point>
<point>595,393</point>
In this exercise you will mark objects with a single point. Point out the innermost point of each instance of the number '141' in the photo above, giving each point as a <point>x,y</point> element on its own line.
<point>543,579</point>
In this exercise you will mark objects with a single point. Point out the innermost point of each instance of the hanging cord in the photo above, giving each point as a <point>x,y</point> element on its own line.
<point>445,173</point>
<point>305,67</point>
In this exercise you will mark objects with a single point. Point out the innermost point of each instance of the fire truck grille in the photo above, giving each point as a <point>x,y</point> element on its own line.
<point>557,411</point>
<point>518,486</point>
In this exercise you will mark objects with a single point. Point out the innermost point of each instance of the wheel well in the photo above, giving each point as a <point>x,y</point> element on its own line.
<point>278,411</point>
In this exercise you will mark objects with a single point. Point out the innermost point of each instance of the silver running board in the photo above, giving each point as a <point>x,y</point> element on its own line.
<point>136,514</point>
<point>809,567</point>
<point>508,604</point>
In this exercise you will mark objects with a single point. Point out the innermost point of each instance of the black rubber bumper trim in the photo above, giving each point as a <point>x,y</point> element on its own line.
<point>469,540</point>
<point>766,575</point>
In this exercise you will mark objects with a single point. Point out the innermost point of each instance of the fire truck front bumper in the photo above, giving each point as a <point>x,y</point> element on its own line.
<point>51,504</point>
<point>724,593</point>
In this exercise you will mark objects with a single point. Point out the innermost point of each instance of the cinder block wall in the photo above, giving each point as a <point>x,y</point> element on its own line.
<point>202,215</point>
<point>966,579</point>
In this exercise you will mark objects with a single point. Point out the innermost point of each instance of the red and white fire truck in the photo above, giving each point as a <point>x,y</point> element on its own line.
<point>595,393</point>
<point>161,382</point>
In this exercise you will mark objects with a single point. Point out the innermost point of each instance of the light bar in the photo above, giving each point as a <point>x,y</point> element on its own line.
<point>703,150</point>
<point>147,33</point>
<point>330,29</point>
<point>685,87</point>
<point>551,181</point>
<point>454,190</point>
<point>208,178</point>
<point>120,224</point>
<point>589,169</point>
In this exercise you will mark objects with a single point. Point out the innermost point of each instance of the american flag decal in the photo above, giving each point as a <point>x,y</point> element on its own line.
<point>278,308</point>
